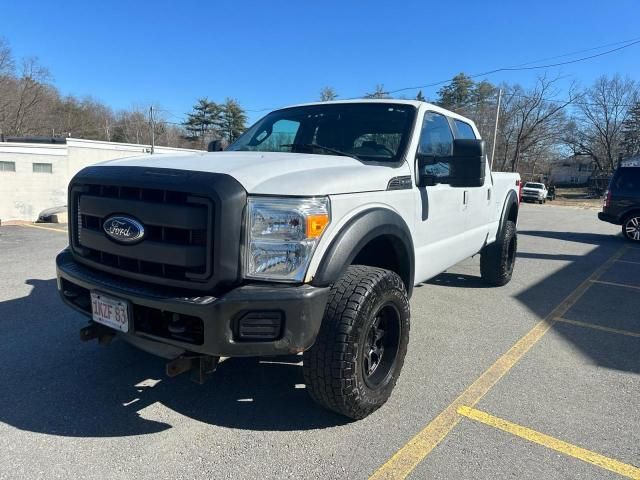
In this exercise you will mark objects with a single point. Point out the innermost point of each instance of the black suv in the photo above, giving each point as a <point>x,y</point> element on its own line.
<point>622,200</point>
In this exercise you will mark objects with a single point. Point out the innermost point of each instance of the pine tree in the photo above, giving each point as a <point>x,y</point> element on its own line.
<point>420,97</point>
<point>631,132</point>
<point>203,123</point>
<point>233,120</point>
<point>457,93</point>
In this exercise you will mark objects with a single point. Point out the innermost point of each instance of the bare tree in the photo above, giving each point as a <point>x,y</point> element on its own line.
<point>597,129</point>
<point>530,119</point>
<point>327,94</point>
<point>32,89</point>
<point>379,92</point>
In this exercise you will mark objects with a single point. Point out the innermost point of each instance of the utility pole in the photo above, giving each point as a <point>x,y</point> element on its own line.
<point>495,129</point>
<point>153,130</point>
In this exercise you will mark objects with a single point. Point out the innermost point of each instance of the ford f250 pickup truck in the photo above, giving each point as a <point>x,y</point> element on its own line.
<point>535,192</point>
<point>306,235</point>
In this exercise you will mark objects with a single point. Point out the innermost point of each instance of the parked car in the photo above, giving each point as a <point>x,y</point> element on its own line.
<point>306,235</point>
<point>621,204</point>
<point>53,215</point>
<point>534,192</point>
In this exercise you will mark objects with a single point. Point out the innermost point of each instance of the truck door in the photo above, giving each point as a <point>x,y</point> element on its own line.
<point>478,199</point>
<point>441,209</point>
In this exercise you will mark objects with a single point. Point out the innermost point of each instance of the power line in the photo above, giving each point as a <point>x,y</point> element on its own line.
<point>516,68</point>
<point>578,51</point>
<point>519,67</point>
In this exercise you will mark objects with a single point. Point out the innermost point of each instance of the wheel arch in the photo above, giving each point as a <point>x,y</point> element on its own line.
<point>635,210</point>
<point>510,210</point>
<point>362,240</point>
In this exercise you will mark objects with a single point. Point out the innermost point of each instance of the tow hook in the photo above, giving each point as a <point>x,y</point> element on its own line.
<point>201,366</point>
<point>91,331</point>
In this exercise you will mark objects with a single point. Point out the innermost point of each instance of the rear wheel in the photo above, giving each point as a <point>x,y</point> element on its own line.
<point>359,352</point>
<point>498,259</point>
<point>631,227</point>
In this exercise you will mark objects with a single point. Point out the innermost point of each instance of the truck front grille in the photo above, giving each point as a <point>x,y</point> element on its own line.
<point>177,230</point>
<point>192,222</point>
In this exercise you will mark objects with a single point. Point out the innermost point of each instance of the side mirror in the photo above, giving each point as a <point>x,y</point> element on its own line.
<point>215,146</point>
<point>464,168</point>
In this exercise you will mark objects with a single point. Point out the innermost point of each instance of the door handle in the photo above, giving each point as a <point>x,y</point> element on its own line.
<point>465,197</point>
<point>488,194</point>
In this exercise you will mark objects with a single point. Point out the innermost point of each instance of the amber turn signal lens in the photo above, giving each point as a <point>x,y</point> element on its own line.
<point>316,225</point>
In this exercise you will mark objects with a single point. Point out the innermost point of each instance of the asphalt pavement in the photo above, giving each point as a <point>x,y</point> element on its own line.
<point>563,403</point>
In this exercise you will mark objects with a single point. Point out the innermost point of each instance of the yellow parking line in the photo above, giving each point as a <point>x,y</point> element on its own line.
<point>552,443</point>
<point>616,284</point>
<point>598,327</point>
<point>402,463</point>
<point>43,228</point>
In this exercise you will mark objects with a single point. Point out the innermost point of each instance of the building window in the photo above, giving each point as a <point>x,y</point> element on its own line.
<point>42,168</point>
<point>7,166</point>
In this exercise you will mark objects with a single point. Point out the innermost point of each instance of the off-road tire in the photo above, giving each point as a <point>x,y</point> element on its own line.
<point>498,259</point>
<point>631,222</point>
<point>335,367</point>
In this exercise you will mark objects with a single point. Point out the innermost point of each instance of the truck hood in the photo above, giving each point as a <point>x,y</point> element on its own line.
<point>274,173</point>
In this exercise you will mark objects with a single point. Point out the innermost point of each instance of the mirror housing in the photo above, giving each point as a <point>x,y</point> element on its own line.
<point>464,168</point>
<point>215,146</point>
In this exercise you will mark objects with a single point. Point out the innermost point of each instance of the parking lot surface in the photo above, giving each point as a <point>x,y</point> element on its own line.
<point>537,379</point>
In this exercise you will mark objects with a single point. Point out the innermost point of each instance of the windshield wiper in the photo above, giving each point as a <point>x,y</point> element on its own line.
<point>321,147</point>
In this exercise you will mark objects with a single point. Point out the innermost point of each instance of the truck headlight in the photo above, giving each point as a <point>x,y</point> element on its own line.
<point>282,234</point>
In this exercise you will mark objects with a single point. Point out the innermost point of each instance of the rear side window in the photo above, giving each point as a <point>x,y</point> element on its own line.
<point>464,130</point>
<point>628,179</point>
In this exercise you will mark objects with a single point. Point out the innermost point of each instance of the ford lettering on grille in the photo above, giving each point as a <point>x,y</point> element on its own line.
<point>123,229</point>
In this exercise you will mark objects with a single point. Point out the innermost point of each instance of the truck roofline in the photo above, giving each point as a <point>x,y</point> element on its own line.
<point>415,103</point>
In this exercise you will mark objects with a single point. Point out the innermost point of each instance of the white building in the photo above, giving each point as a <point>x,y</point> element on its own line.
<point>34,176</point>
<point>574,170</point>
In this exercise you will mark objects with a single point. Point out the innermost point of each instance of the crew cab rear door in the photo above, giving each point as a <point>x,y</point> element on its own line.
<point>478,199</point>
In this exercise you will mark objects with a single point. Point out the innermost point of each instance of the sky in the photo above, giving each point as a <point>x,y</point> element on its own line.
<point>277,53</point>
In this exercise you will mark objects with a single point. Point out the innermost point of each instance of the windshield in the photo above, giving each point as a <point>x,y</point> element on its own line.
<point>367,131</point>
<point>534,185</point>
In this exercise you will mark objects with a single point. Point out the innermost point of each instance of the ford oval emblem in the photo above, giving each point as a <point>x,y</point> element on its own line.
<point>123,229</point>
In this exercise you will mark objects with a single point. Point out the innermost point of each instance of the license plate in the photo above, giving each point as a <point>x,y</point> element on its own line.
<point>110,311</point>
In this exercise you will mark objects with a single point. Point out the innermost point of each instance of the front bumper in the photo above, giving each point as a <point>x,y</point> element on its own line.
<point>532,196</point>
<point>300,309</point>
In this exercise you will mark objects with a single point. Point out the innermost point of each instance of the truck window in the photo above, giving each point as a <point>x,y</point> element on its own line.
<point>370,132</point>
<point>282,132</point>
<point>436,140</point>
<point>628,179</point>
<point>464,130</point>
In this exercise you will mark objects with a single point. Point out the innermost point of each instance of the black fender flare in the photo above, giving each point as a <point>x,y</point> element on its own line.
<point>358,232</point>
<point>510,201</point>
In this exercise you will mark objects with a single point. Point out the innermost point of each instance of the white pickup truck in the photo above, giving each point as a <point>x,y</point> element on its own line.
<point>306,235</point>
<point>535,192</point>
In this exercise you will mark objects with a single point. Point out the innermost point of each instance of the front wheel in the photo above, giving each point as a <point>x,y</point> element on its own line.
<point>631,227</point>
<point>359,352</point>
<point>498,258</point>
